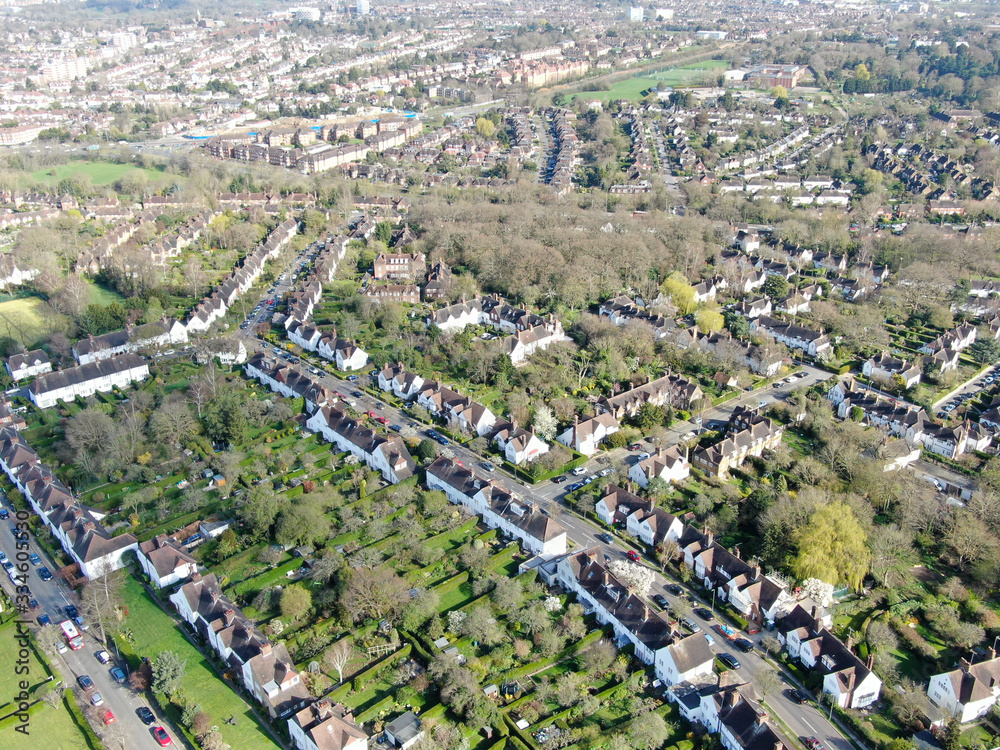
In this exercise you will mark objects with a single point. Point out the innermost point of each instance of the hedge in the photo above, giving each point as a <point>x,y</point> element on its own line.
<point>372,712</point>
<point>378,666</point>
<point>576,648</point>
<point>453,583</point>
<point>93,742</point>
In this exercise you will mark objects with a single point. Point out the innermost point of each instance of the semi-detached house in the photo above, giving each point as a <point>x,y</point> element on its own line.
<point>160,333</point>
<point>28,365</point>
<point>388,456</point>
<point>813,343</point>
<point>969,692</point>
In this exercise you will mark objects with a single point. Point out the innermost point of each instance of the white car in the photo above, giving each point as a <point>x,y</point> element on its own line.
<point>688,436</point>
<point>604,472</point>
<point>644,456</point>
<point>579,471</point>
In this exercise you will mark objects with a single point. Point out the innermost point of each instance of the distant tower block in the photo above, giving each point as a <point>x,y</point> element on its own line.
<point>364,7</point>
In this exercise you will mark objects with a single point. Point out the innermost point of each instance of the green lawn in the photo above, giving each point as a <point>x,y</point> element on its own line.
<point>154,631</point>
<point>20,319</point>
<point>9,648</point>
<point>100,173</point>
<point>53,729</point>
<point>633,88</point>
<point>100,295</point>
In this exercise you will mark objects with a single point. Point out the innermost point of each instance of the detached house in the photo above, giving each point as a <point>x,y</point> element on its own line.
<point>748,434</point>
<point>641,518</point>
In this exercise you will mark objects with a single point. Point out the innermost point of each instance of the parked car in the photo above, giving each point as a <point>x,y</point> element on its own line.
<point>34,559</point>
<point>635,447</point>
<point>560,479</point>
<point>632,555</point>
<point>729,660</point>
<point>71,611</point>
<point>660,600</point>
<point>704,614</point>
<point>606,537</point>
<point>161,736</point>
<point>97,699</point>
<point>44,620</point>
<point>33,604</point>
<point>487,466</point>
<point>352,378</point>
<point>605,472</point>
<point>744,645</point>
<point>85,682</point>
<point>108,718</point>
<point>117,675</point>
<point>644,455</point>
<point>145,715</point>
<point>575,486</point>
<point>814,744</point>
<point>579,471</point>
<point>799,696</point>
<point>4,514</point>
<point>761,404</point>
<point>691,625</point>
<point>103,656</point>
<point>674,589</point>
<point>44,574</point>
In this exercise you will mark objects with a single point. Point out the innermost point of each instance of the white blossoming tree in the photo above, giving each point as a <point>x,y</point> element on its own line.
<point>819,591</point>
<point>637,578</point>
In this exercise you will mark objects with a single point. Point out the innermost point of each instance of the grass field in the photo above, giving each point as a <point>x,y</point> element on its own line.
<point>100,295</point>
<point>154,631</point>
<point>53,729</point>
<point>633,88</point>
<point>20,319</point>
<point>100,173</point>
<point>9,648</point>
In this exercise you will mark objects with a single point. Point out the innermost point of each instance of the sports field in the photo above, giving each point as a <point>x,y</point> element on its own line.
<point>99,172</point>
<point>633,88</point>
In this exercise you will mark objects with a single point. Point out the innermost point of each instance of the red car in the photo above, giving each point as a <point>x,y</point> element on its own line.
<point>108,718</point>
<point>161,736</point>
<point>635,446</point>
<point>382,420</point>
<point>373,415</point>
<point>632,555</point>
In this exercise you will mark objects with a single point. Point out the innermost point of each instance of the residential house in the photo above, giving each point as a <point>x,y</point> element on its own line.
<point>669,390</point>
<point>498,508</point>
<point>159,334</point>
<point>747,434</point>
<point>885,367</point>
<point>165,561</point>
<point>969,692</point>
<point>669,464</point>
<point>28,365</point>
<point>517,444</point>
<point>400,266</point>
<point>289,381</point>
<point>388,456</point>
<point>584,437</point>
<point>813,343</point>
<point>84,380</point>
<point>324,726</point>
<point>404,731</point>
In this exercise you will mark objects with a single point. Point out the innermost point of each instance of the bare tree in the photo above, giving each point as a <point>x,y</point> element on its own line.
<point>102,597</point>
<point>339,657</point>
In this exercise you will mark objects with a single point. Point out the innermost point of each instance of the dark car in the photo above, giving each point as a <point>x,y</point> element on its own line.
<point>352,378</point>
<point>660,600</point>
<point>743,645</point>
<point>675,589</point>
<point>145,715</point>
<point>33,604</point>
<point>357,394</point>
<point>441,440</point>
<point>44,620</point>
<point>72,612</point>
<point>4,514</point>
<point>799,696</point>
<point>395,427</point>
<point>704,614</point>
<point>45,574</point>
<point>606,538</point>
<point>432,434</point>
<point>488,466</point>
<point>560,479</point>
<point>729,660</point>
<point>34,559</point>
<point>117,675</point>
<point>85,682</point>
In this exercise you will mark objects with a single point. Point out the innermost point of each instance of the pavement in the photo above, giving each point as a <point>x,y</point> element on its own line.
<point>53,596</point>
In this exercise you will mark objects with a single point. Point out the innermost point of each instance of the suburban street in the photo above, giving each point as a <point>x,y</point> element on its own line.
<point>800,720</point>
<point>53,596</point>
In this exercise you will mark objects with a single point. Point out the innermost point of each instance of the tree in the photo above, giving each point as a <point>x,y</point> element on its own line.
<point>599,656</point>
<point>374,593</point>
<point>426,450</point>
<point>508,594</point>
<point>767,681</point>
<point>952,735</point>
<point>680,292</point>
<point>638,578</point>
<point>481,625</point>
<point>648,731</point>
<point>985,350</point>
<point>709,321</point>
<point>101,599</point>
<point>296,601</point>
<point>833,546</point>
<point>485,128</point>
<point>49,637</point>
<point>339,657</point>
<point>168,671</point>
<point>893,554</point>
<point>545,423</point>
<point>776,287</point>
<point>259,510</point>
<point>301,523</point>
<point>738,326</point>
<point>648,416</point>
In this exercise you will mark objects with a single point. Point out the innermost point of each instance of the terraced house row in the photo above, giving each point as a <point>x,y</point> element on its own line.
<point>77,526</point>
